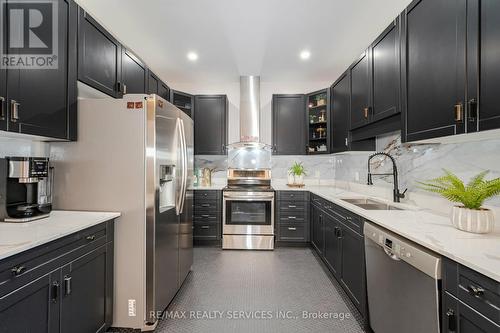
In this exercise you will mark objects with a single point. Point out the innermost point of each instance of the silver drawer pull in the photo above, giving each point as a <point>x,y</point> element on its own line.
<point>18,270</point>
<point>292,228</point>
<point>205,215</point>
<point>292,217</point>
<point>67,285</point>
<point>205,227</point>
<point>205,205</point>
<point>14,111</point>
<point>90,238</point>
<point>292,206</point>
<point>348,218</point>
<point>476,290</point>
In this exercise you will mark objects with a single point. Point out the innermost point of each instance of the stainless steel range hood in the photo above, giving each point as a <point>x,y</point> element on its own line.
<point>249,114</point>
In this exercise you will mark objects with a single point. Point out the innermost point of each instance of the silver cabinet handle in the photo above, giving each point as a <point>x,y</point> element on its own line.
<point>292,217</point>
<point>292,206</point>
<point>205,215</point>
<point>292,228</point>
<point>205,227</point>
<point>67,285</point>
<point>14,110</point>
<point>477,291</point>
<point>346,142</point>
<point>2,108</point>
<point>18,270</point>
<point>90,238</point>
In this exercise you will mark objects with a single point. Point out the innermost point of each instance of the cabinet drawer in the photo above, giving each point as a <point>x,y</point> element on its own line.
<point>295,233</point>
<point>206,205</point>
<point>290,217</point>
<point>205,218</point>
<point>353,221</point>
<point>292,206</point>
<point>24,267</point>
<point>292,195</point>
<point>480,292</point>
<point>474,289</point>
<point>206,231</point>
<point>206,195</point>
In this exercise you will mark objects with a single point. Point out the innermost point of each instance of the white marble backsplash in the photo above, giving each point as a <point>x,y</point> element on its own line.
<point>420,162</point>
<point>23,147</point>
<point>318,167</point>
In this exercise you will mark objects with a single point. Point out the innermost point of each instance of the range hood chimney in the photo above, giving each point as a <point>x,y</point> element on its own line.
<point>249,108</point>
<point>249,113</point>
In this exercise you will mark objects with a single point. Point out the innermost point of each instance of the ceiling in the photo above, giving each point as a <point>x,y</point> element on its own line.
<point>252,37</point>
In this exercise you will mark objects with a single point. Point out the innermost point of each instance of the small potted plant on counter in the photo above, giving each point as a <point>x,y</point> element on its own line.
<point>470,216</point>
<point>296,175</point>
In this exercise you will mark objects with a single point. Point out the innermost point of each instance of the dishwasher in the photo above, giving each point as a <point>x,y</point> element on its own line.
<point>403,283</point>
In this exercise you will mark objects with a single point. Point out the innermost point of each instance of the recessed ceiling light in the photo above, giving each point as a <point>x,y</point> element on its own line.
<point>192,56</point>
<point>305,54</point>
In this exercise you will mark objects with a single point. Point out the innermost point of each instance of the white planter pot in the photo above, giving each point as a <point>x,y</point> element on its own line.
<point>295,180</point>
<point>480,221</point>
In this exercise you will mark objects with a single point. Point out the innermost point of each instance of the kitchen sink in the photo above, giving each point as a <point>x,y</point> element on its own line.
<point>370,204</point>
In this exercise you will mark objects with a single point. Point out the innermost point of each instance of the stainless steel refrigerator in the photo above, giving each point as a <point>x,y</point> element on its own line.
<point>135,156</point>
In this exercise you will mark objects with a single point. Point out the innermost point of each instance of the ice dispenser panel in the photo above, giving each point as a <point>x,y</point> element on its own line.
<point>167,187</point>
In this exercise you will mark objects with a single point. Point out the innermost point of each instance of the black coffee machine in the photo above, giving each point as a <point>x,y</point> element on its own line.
<point>25,188</point>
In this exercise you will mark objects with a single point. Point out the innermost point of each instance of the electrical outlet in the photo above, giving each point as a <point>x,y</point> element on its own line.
<point>131,308</point>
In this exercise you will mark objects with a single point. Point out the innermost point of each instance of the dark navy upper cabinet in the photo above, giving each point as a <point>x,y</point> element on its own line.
<point>483,65</point>
<point>360,91</point>
<point>99,56</point>
<point>3,82</point>
<point>134,74</point>
<point>210,124</point>
<point>164,91</point>
<point>42,101</point>
<point>156,86</point>
<point>289,124</point>
<point>433,68</point>
<point>385,74</point>
<point>340,110</point>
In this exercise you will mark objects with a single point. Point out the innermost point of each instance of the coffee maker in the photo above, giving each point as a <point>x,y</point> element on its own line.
<point>25,188</point>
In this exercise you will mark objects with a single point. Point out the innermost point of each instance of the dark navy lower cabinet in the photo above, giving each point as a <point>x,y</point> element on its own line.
<point>62,286</point>
<point>207,217</point>
<point>337,236</point>
<point>470,300</point>
<point>292,218</point>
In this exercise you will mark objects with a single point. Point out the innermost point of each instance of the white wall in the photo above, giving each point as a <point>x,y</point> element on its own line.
<point>267,89</point>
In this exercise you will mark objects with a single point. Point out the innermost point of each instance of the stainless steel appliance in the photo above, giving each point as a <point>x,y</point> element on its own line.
<point>248,210</point>
<point>135,155</point>
<point>403,283</point>
<point>26,188</point>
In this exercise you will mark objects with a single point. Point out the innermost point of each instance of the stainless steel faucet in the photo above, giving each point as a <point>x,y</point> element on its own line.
<point>397,195</point>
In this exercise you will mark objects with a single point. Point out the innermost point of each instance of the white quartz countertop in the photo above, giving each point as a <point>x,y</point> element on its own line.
<point>18,237</point>
<point>217,186</point>
<point>480,252</point>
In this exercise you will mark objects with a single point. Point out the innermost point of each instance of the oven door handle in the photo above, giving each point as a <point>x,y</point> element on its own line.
<point>249,199</point>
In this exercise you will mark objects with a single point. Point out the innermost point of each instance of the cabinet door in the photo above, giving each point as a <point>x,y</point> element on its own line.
<point>42,101</point>
<point>210,119</point>
<point>341,104</point>
<point>332,245</point>
<point>360,91</point>
<point>353,267</point>
<point>87,292</point>
<point>483,66</point>
<point>317,229</point>
<point>385,73</point>
<point>433,56</point>
<point>99,56</point>
<point>134,74</point>
<point>164,91</point>
<point>458,317</point>
<point>153,83</point>
<point>3,79</point>
<point>33,307</point>
<point>289,125</point>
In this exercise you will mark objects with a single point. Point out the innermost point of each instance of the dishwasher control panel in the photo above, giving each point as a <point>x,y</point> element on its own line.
<point>400,248</point>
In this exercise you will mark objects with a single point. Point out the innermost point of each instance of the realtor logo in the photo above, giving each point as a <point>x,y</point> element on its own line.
<point>29,37</point>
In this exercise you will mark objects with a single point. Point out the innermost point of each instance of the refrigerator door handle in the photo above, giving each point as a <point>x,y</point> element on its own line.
<point>178,195</point>
<point>184,165</point>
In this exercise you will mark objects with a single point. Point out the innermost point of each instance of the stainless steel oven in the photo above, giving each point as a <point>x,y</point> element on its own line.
<point>248,220</point>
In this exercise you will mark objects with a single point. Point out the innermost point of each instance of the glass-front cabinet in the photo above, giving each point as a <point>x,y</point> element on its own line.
<point>318,120</point>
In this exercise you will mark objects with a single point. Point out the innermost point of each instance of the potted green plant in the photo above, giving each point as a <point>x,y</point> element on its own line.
<point>470,216</point>
<point>296,174</point>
